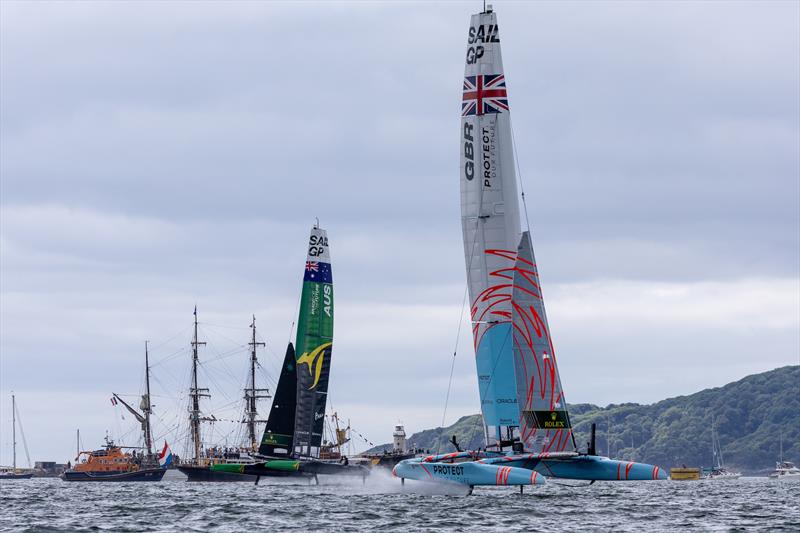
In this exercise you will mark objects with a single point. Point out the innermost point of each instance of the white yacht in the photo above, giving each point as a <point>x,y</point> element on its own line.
<point>785,470</point>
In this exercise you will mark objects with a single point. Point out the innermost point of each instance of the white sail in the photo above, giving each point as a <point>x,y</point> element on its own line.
<point>490,220</point>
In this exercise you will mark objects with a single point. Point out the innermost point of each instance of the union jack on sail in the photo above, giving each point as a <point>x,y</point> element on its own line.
<point>484,93</point>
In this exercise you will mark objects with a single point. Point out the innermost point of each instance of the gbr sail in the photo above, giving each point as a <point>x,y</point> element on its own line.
<point>314,345</point>
<point>490,221</point>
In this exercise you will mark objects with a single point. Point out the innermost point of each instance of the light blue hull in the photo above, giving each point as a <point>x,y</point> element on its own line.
<point>487,468</point>
<point>583,467</point>
<point>468,472</point>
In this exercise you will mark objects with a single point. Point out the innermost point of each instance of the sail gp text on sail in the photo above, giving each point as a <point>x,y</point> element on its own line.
<point>483,34</point>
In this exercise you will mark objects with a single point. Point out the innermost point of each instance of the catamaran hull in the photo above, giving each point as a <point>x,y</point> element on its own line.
<point>470,473</point>
<point>205,474</point>
<point>495,468</point>
<point>594,468</point>
<point>582,467</point>
<point>151,474</point>
<point>289,467</point>
<point>333,469</point>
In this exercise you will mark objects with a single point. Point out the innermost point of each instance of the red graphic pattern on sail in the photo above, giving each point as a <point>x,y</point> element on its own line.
<point>543,384</point>
<point>491,306</point>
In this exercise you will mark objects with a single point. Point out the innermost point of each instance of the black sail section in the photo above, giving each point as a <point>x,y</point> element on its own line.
<point>278,436</point>
<point>313,394</point>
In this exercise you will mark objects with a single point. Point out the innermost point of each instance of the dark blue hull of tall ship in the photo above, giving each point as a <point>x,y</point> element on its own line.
<point>149,474</point>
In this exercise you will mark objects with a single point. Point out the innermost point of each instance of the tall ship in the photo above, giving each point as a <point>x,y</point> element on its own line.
<point>293,440</point>
<point>528,431</point>
<point>13,472</point>
<point>198,467</point>
<point>114,462</point>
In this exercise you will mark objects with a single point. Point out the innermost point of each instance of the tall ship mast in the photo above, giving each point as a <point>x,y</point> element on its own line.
<point>195,393</point>
<point>253,394</point>
<point>146,405</point>
<point>200,468</point>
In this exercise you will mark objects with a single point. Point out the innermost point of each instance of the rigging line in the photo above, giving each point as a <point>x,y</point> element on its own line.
<point>463,305</point>
<point>174,355</point>
<point>234,341</point>
<point>22,432</point>
<point>162,343</point>
<point>519,173</point>
<point>296,310</point>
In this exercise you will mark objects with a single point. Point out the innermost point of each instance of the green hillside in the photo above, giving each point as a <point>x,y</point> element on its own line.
<point>750,415</point>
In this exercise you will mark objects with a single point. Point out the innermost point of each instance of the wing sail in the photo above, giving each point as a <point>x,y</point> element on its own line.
<point>544,420</point>
<point>314,345</point>
<point>278,436</point>
<point>489,220</point>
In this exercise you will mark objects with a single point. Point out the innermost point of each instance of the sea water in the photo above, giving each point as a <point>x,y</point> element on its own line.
<point>746,504</point>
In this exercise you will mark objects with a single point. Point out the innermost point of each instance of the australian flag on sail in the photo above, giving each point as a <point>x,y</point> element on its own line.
<point>318,271</point>
<point>484,93</point>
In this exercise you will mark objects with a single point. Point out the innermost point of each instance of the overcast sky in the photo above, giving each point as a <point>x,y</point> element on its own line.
<point>159,155</point>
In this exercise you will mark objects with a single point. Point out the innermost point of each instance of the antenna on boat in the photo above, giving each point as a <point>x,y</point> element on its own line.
<point>316,224</point>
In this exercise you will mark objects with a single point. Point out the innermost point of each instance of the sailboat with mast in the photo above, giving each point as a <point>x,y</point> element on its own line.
<point>718,470</point>
<point>785,469</point>
<point>112,462</point>
<point>293,438</point>
<point>199,468</point>
<point>14,472</point>
<point>527,425</point>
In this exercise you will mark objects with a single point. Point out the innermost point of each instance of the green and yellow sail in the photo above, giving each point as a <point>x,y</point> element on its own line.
<point>314,345</point>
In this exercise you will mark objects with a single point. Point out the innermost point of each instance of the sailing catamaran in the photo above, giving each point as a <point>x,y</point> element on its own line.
<point>292,440</point>
<point>14,472</point>
<point>528,429</point>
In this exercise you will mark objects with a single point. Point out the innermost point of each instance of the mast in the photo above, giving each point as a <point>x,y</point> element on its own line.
<point>251,394</point>
<point>195,394</point>
<point>78,442</point>
<point>14,432</point>
<point>146,406</point>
